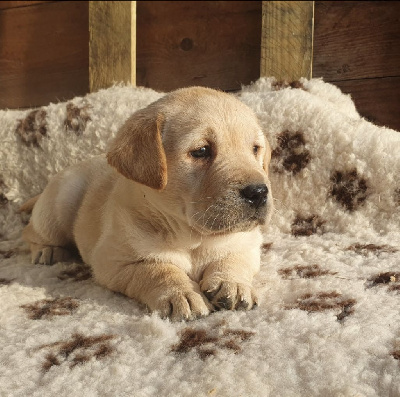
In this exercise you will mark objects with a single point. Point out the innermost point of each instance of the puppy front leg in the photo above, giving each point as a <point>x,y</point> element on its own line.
<point>228,283</point>
<point>164,288</point>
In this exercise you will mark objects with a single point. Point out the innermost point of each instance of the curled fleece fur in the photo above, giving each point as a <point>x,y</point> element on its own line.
<point>329,319</point>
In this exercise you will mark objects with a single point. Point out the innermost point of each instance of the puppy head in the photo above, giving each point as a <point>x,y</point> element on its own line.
<point>216,155</point>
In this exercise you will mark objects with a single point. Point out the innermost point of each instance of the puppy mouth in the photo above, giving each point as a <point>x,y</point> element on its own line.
<point>244,226</point>
<point>230,221</point>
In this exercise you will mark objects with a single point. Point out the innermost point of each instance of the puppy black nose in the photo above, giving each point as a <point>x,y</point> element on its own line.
<point>255,195</point>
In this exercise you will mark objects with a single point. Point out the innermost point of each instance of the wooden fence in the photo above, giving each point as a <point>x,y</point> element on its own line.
<point>54,50</point>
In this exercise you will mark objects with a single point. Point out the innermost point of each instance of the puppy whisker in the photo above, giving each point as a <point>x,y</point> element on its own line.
<point>201,200</point>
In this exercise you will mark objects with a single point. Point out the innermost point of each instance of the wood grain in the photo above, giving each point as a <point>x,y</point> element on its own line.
<point>15,4</point>
<point>43,53</point>
<point>378,99</point>
<point>112,47</point>
<point>44,49</point>
<point>208,43</point>
<point>356,39</point>
<point>287,39</point>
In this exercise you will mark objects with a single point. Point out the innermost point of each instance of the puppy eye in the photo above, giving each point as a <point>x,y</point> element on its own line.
<point>256,149</point>
<point>203,152</point>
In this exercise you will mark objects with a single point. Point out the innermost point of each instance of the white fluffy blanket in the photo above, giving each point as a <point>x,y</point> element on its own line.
<point>328,323</point>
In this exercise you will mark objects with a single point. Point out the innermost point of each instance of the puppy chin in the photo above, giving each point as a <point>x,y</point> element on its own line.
<point>245,225</point>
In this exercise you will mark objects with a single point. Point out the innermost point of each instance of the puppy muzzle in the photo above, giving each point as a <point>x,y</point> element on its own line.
<point>240,209</point>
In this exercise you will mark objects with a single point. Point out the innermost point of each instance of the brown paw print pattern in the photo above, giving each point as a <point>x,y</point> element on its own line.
<point>323,301</point>
<point>7,253</point>
<point>303,271</point>
<point>390,279</point>
<point>76,119</point>
<point>48,308</point>
<point>397,197</point>
<point>349,189</point>
<point>306,226</point>
<point>365,249</point>
<point>32,128</point>
<point>3,197</point>
<point>6,281</point>
<point>396,354</point>
<point>266,247</point>
<point>77,273</point>
<point>291,154</point>
<point>280,85</point>
<point>207,342</point>
<point>77,350</point>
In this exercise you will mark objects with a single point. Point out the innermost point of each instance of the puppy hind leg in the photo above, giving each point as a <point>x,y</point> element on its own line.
<point>48,254</point>
<point>43,252</point>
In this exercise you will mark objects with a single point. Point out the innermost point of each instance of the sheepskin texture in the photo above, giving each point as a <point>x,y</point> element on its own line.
<point>328,323</point>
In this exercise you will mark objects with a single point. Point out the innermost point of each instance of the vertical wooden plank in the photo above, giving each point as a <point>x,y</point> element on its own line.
<point>112,43</point>
<point>287,39</point>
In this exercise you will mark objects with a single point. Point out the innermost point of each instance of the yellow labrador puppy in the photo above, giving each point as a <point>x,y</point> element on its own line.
<point>171,215</point>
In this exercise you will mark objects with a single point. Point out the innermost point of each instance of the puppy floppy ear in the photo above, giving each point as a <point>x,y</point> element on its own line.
<point>137,151</point>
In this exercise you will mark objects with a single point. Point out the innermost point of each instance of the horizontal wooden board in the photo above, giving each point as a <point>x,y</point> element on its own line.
<point>14,4</point>
<point>356,39</point>
<point>377,99</point>
<point>208,43</point>
<point>44,53</point>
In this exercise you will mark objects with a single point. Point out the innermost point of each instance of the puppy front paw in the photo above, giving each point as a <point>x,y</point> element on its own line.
<point>182,305</point>
<point>229,295</point>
